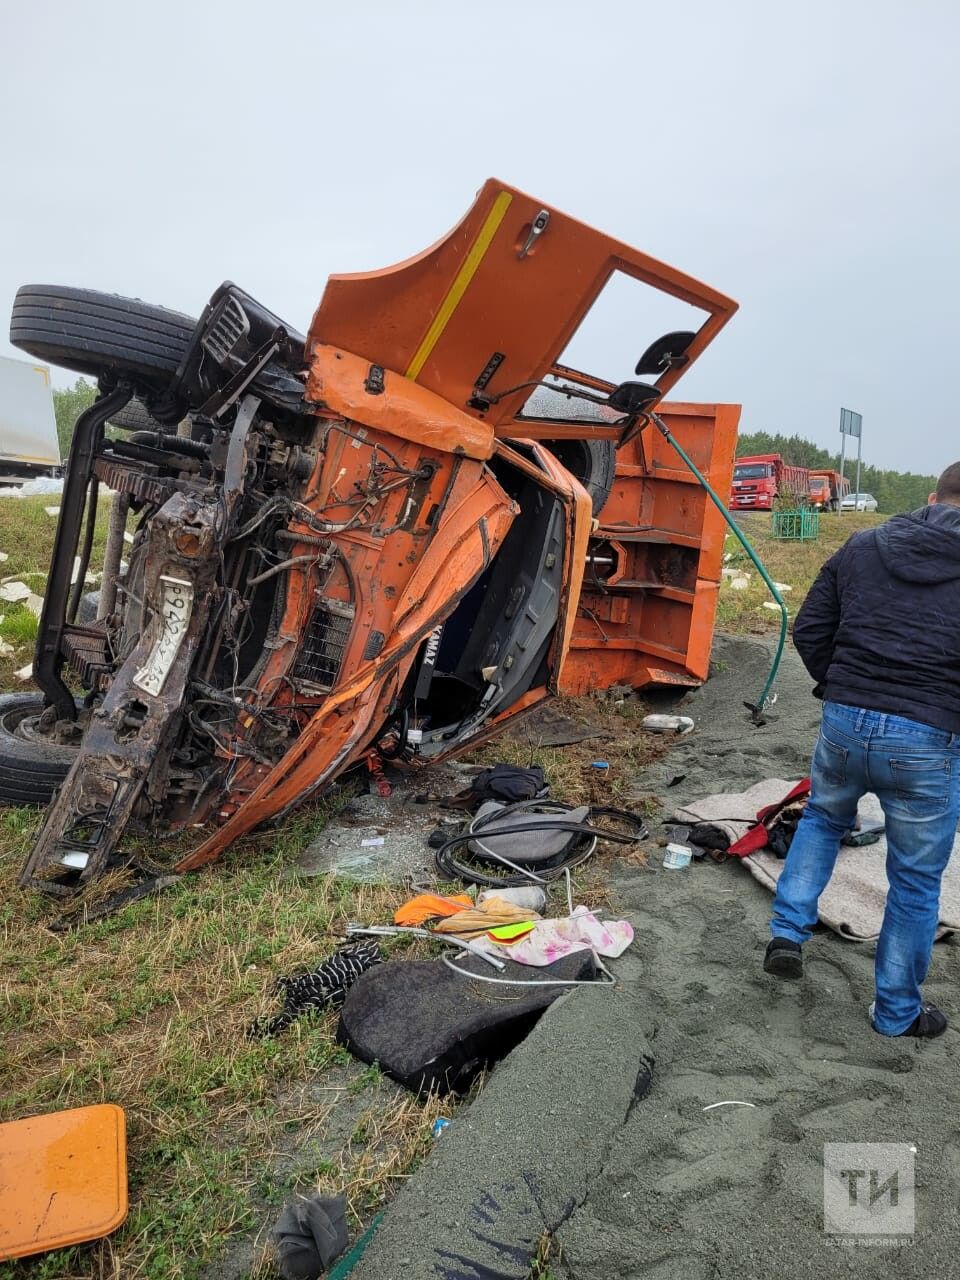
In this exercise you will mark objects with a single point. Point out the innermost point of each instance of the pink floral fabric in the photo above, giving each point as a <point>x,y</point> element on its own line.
<point>550,940</point>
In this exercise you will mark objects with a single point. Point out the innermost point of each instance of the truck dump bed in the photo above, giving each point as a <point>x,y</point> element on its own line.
<point>649,596</point>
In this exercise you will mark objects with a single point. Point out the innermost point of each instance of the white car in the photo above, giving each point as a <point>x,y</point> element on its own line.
<point>859,502</point>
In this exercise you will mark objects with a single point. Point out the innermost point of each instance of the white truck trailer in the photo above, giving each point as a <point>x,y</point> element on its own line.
<point>28,427</point>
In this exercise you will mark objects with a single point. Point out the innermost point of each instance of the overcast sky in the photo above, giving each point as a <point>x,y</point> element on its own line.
<point>806,165</point>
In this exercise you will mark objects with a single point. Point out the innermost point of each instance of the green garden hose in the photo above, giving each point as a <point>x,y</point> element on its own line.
<point>765,700</point>
<point>345,1265</point>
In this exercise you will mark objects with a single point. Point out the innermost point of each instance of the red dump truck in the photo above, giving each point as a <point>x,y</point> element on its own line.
<point>828,489</point>
<point>759,481</point>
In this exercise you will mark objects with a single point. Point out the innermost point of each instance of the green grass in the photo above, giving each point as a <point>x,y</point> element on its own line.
<point>794,563</point>
<point>148,1009</point>
<point>26,535</point>
<point>19,626</point>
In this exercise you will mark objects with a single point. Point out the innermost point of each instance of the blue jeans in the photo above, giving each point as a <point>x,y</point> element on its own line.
<point>915,772</point>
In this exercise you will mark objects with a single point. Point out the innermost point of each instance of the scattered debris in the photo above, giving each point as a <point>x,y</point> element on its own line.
<point>402,825</point>
<point>4,555</point>
<point>45,1159</point>
<point>783,586</point>
<point>732,1102</point>
<point>325,987</point>
<point>7,650</point>
<point>532,841</point>
<point>505,782</point>
<point>677,857</point>
<point>534,898</point>
<point>33,488</point>
<point>52,511</point>
<point>681,725</point>
<point>127,536</point>
<point>311,1232</point>
<point>431,1030</point>
<point>771,604</point>
<point>739,584</point>
<point>25,672</point>
<point>14,592</point>
<point>430,906</point>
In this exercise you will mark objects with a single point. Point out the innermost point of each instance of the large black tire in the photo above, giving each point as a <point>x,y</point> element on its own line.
<point>135,416</point>
<point>92,332</point>
<point>592,462</point>
<point>30,770</point>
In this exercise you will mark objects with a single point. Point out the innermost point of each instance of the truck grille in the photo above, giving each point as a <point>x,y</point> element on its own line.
<point>321,654</point>
<point>228,325</point>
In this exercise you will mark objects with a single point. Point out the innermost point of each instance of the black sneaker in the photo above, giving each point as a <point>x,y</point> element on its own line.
<point>928,1023</point>
<point>783,958</point>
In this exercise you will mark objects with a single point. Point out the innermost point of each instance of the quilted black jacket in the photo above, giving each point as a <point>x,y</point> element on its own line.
<point>880,628</point>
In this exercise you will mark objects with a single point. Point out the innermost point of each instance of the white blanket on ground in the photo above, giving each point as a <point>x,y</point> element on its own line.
<point>852,903</point>
<point>735,812</point>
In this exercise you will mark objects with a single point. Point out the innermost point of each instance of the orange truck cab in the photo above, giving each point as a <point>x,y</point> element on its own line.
<point>828,489</point>
<point>394,533</point>
<point>759,481</point>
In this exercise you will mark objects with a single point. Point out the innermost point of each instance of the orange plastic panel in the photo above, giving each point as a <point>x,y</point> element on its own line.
<point>648,616</point>
<point>63,1179</point>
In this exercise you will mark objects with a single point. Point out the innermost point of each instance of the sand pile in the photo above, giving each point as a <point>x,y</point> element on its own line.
<point>738,1191</point>
<point>726,751</point>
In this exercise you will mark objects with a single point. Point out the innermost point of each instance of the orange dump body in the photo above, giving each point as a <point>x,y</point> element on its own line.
<point>649,595</point>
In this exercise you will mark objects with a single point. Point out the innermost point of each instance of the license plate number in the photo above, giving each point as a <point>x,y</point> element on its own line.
<point>176,605</point>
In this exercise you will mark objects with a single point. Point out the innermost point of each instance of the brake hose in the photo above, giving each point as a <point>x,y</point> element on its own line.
<point>756,709</point>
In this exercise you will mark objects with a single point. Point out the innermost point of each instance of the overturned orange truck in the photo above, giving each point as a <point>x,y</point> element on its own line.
<point>397,532</point>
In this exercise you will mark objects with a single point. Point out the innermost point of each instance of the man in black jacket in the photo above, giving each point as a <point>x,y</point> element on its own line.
<point>880,634</point>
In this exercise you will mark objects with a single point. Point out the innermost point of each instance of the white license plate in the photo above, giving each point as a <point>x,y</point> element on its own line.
<point>176,604</point>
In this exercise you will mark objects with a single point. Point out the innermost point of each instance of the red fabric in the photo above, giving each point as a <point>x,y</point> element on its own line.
<point>756,837</point>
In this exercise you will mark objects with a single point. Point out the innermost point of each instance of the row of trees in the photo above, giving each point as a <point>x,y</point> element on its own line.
<point>894,490</point>
<point>67,407</point>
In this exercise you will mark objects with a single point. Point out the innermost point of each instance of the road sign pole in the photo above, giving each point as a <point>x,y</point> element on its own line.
<point>843,455</point>
<point>859,454</point>
<point>851,424</point>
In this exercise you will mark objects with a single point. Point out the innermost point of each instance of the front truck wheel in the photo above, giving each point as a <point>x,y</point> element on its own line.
<point>31,768</point>
<point>92,332</point>
<point>592,462</point>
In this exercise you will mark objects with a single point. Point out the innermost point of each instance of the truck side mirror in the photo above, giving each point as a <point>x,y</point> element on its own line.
<point>668,352</point>
<point>633,397</point>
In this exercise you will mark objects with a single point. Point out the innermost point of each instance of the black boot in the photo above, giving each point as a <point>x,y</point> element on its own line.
<point>783,958</point>
<point>928,1023</point>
